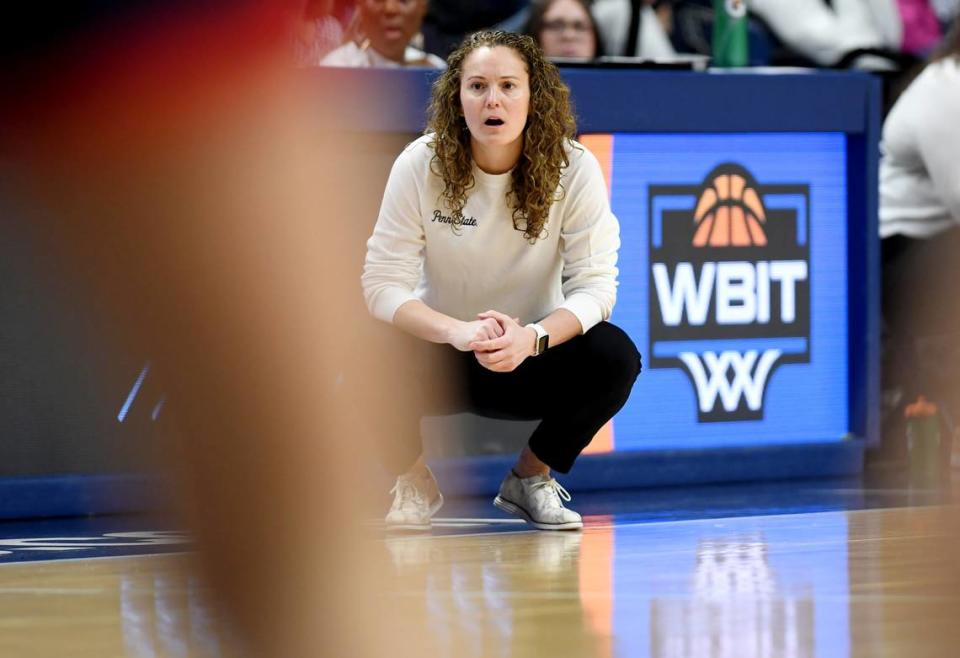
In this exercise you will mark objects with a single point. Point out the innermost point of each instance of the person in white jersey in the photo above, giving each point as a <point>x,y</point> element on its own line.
<point>384,35</point>
<point>495,253</point>
<point>920,230</point>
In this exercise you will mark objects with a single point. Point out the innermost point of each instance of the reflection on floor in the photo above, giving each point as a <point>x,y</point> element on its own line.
<point>861,579</point>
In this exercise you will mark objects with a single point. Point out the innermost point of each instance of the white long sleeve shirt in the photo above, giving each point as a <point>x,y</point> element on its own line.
<point>825,32</point>
<point>920,167</point>
<point>613,20</point>
<point>416,252</point>
<point>350,55</point>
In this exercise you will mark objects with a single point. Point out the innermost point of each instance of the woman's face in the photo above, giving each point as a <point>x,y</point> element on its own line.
<point>391,24</point>
<point>567,31</point>
<point>495,95</point>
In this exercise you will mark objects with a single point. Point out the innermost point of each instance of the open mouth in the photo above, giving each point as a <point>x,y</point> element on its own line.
<point>493,122</point>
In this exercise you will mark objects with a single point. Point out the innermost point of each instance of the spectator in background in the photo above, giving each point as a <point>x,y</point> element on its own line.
<point>947,11</point>
<point>831,32</point>
<point>384,32</point>
<point>448,21</point>
<point>824,32</point>
<point>920,227</point>
<point>564,28</point>
<point>317,32</point>
<point>880,35</point>
<point>632,28</point>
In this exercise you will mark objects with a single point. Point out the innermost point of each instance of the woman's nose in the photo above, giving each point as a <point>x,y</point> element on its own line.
<point>493,97</point>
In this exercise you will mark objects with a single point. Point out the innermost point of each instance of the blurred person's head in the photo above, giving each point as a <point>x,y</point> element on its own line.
<point>950,46</point>
<point>564,28</point>
<point>390,25</point>
<point>502,76</point>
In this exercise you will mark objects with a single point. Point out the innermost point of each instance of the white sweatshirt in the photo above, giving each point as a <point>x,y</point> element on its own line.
<point>613,22</point>
<point>825,32</point>
<point>920,168</point>
<point>415,253</point>
<point>350,55</point>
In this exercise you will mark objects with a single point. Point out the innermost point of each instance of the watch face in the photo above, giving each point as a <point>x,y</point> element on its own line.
<point>542,342</point>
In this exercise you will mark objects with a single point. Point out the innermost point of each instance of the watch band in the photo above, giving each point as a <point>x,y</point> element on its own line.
<point>543,339</point>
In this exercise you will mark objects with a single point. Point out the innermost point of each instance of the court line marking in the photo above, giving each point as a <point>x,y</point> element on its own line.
<point>528,530</point>
<point>128,556</point>
<point>452,522</point>
<point>718,521</point>
<point>475,520</point>
<point>84,591</point>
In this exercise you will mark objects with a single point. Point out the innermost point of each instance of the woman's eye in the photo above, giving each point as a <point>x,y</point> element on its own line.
<point>508,85</point>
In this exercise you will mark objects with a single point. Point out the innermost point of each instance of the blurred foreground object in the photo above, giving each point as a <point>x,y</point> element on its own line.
<point>170,163</point>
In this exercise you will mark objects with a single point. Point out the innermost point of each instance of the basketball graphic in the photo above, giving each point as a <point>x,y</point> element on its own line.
<point>729,213</point>
<point>730,286</point>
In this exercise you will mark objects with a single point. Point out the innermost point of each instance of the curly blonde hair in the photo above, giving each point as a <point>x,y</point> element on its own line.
<point>550,123</point>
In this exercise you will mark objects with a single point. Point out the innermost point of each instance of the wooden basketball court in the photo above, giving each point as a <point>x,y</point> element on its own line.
<point>876,581</point>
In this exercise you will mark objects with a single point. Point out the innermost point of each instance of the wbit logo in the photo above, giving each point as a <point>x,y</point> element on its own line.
<point>730,286</point>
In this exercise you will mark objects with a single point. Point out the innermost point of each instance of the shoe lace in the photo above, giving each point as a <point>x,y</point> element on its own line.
<point>407,494</point>
<point>554,492</point>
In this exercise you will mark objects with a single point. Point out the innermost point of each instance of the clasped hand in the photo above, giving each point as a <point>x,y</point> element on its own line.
<point>507,349</point>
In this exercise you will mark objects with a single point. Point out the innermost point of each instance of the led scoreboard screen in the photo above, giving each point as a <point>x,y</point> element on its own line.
<point>733,285</point>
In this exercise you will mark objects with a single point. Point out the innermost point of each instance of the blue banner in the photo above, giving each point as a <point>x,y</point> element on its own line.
<point>733,284</point>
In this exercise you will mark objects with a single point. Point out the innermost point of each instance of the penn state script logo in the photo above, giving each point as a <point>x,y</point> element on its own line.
<point>729,286</point>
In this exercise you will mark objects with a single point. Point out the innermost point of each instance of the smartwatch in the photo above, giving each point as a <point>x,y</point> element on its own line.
<point>543,339</point>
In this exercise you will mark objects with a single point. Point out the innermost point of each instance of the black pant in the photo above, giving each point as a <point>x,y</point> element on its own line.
<point>921,351</point>
<point>573,388</point>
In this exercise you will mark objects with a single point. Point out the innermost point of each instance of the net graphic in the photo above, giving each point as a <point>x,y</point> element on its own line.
<point>729,286</point>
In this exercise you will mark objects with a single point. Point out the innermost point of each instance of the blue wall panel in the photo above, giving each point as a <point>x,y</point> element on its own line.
<point>802,402</point>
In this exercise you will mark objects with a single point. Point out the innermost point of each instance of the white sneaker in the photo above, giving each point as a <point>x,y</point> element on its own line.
<point>538,500</point>
<point>411,510</point>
